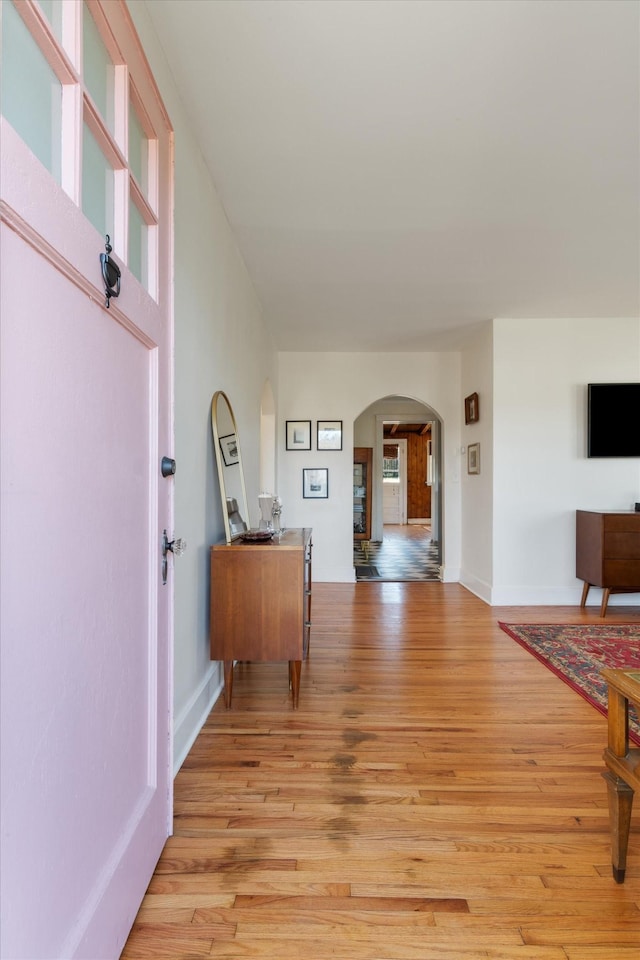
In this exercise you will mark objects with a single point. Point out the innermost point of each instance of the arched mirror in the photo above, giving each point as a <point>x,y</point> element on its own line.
<point>226,442</point>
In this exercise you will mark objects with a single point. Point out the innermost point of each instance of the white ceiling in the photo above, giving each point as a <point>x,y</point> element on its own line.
<point>397,172</point>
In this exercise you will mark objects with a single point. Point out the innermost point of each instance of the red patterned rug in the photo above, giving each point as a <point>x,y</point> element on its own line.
<point>577,653</point>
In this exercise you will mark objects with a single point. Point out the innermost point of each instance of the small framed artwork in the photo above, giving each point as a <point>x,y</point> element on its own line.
<point>298,434</point>
<point>229,447</point>
<point>473,458</point>
<point>329,435</point>
<point>471,408</point>
<point>315,483</point>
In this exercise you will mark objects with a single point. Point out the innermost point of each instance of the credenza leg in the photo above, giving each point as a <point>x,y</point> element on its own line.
<point>228,682</point>
<point>294,678</point>
<point>620,802</point>
<point>585,593</point>
<point>605,600</point>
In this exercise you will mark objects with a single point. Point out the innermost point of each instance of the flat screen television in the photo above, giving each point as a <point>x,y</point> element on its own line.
<point>613,428</point>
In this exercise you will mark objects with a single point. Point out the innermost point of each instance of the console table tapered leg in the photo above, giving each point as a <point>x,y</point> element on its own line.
<point>228,682</point>
<point>585,593</point>
<point>294,677</point>
<point>620,802</point>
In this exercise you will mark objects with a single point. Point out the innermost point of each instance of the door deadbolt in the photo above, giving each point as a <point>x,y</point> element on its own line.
<point>167,467</point>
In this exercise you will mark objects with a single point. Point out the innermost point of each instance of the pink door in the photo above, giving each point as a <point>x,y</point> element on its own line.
<point>85,421</point>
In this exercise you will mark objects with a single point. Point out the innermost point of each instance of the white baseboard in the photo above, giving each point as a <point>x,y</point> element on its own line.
<point>333,575</point>
<point>556,597</point>
<point>478,587</point>
<point>450,574</point>
<point>542,596</point>
<point>189,723</point>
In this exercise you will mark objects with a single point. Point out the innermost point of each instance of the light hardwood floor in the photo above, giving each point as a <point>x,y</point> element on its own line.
<point>437,796</point>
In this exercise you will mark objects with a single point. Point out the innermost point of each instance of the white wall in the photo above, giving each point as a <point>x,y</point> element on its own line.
<point>221,343</point>
<point>339,386</point>
<point>477,489</point>
<point>540,469</point>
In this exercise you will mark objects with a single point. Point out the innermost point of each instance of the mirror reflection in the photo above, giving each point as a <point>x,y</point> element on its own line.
<point>226,444</point>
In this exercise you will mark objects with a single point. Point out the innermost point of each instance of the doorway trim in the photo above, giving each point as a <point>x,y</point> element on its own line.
<point>402,475</point>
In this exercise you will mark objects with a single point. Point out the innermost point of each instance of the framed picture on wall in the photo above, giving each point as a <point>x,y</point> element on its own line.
<point>473,458</point>
<point>329,435</point>
<point>298,434</point>
<point>315,483</point>
<point>471,408</point>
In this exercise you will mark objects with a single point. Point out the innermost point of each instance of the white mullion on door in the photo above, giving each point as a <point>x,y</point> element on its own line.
<point>147,203</point>
<point>121,197</point>
<point>118,164</point>
<point>71,178</point>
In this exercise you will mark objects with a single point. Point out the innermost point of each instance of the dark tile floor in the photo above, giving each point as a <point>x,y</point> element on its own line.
<point>407,552</point>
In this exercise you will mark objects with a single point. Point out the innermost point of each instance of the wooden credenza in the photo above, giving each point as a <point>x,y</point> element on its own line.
<point>608,552</point>
<point>260,607</point>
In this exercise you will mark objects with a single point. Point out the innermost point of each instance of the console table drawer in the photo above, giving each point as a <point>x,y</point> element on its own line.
<point>623,544</point>
<point>621,523</point>
<point>621,573</point>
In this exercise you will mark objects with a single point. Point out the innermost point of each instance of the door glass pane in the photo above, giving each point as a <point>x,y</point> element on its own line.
<point>138,151</point>
<point>99,72</point>
<point>97,185</point>
<point>138,245</point>
<point>52,10</point>
<point>31,93</point>
<point>390,469</point>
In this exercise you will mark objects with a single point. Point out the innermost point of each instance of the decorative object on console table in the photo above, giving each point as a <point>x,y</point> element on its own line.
<point>298,434</point>
<point>276,515</point>
<point>265,505</point>
<point>471,408</point>
<point>329,435</point>
<point>608,552</point>
<point>260,606</point>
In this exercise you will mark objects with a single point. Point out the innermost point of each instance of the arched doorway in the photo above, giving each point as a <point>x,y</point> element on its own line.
<point>398,530</point>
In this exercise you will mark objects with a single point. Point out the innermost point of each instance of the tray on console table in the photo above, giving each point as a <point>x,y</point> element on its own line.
<point>260,606</point>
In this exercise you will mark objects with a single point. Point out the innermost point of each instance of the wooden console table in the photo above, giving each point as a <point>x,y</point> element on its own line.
<point>608,552</point>
<point>623,763</point>
<point>260,607</point>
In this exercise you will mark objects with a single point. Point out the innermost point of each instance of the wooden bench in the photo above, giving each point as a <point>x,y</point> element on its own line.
<point>623,763</point>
